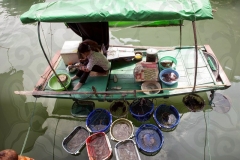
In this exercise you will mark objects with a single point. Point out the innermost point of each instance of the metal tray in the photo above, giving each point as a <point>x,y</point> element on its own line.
<point>127,150</point>
<point>74,142</point>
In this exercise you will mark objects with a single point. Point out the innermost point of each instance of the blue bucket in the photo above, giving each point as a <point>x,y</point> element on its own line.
<point>99,120</point>
<point>141,109</point>
<point>149,139</point>
<point>166,117</point>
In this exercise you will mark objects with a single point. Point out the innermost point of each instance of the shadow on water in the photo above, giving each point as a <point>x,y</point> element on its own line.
<point>16,114</point>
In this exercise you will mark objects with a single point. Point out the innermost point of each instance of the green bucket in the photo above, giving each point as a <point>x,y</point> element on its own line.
<point>167,62</point>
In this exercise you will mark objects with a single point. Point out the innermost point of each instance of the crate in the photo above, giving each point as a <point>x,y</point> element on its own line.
<point>69,52</point>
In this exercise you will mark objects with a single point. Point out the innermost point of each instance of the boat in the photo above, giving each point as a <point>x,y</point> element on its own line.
<point>198,67</point>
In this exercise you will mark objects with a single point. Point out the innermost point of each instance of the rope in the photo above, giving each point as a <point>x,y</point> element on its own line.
<point>207,135</point>
<point>29,128</point>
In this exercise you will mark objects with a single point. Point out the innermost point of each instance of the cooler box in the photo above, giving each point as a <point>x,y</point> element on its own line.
<point>69,52</point>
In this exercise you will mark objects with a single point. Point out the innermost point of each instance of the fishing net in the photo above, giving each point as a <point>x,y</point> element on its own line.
<point>118,109</point>
<point>82,108</point>
<point>193,102</point>
<point>220,103</point>
<point>142,109</point>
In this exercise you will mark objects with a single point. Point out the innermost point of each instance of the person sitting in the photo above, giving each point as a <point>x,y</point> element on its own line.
<point>96,61</point>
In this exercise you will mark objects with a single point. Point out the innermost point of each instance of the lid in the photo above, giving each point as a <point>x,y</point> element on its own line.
<point>152,51</point>
<point>70,47</point>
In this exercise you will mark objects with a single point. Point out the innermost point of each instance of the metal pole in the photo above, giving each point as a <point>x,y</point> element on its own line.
<point>196,51</point>
<point>39,38</point>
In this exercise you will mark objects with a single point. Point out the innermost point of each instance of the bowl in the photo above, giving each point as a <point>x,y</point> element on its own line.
<point>169,76</point>
<point>151,85</point>
<point>55,85</point>
<point>167,62</point>
<point>138,56</point>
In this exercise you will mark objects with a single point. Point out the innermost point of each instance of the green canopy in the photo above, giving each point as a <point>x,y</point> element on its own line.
<point>74,11</point>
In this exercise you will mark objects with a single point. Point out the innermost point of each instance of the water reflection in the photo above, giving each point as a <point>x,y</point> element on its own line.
<point>15,113</point>
<point>14,8</point>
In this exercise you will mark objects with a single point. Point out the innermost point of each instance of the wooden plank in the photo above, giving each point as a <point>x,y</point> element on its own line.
<point>222,74</point>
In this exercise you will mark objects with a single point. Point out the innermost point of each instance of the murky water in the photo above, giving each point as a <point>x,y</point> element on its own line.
<point>200,135</point>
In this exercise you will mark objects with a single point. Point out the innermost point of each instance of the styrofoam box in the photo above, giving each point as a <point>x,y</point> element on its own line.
<point>69,52</point>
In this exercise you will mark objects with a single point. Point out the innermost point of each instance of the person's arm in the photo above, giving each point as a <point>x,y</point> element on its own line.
<point>83,68</point>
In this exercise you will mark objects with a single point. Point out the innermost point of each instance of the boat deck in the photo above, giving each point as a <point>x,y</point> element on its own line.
<point>207,79</point>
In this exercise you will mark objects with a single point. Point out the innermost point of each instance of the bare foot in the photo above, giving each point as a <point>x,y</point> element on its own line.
<point>74,78</point>
<point>78,86</point>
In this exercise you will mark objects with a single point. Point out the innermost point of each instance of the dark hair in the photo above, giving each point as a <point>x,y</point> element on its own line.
<point>83,47</point>
<point>87,46</point>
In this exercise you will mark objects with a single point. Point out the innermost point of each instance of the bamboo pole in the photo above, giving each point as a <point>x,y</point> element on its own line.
<point>39,93</point>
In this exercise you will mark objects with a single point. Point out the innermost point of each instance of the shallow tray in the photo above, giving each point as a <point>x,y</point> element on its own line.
<point>126,150</point>
<point>98,146</point>
<point>74,142</point>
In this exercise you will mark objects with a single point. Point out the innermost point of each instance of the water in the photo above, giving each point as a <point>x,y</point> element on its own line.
<point>201,135</point>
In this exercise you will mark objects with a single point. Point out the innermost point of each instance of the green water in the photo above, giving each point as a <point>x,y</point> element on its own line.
<point>202,135</point>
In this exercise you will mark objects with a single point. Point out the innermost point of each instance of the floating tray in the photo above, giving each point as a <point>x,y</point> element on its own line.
<point>127,149</point>
<point>75,140</point>
<point>166,117</point>
<point>99,120</point>
<point>121,129</point>
<point>149,139</point>
<point>98,146</point>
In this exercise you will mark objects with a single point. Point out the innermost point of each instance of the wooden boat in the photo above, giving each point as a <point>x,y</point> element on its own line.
<point>198,67</point>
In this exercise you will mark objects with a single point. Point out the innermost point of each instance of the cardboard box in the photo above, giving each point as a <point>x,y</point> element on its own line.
<point>69,52</point>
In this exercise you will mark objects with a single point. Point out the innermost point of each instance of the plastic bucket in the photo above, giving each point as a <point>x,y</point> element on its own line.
<point>99,120</point>
<point>167,62</point>
<point>166,117</point>
<point>121,129</point>
<point>141,109</point>
<point>149,139</point>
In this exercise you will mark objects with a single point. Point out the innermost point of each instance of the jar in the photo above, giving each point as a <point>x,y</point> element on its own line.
<point>151,55</point>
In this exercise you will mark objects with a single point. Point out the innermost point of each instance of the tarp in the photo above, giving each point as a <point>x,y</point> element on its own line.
<point>73,11</point>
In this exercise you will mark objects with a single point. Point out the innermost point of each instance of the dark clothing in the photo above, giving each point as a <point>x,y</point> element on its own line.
<point>96,31</point>
<point>84,75</point>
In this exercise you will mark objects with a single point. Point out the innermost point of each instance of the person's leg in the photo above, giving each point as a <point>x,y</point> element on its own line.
<point>78,75</point>
<point>85,75</point>
<point>97,68</point>
<point>81,81</point>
